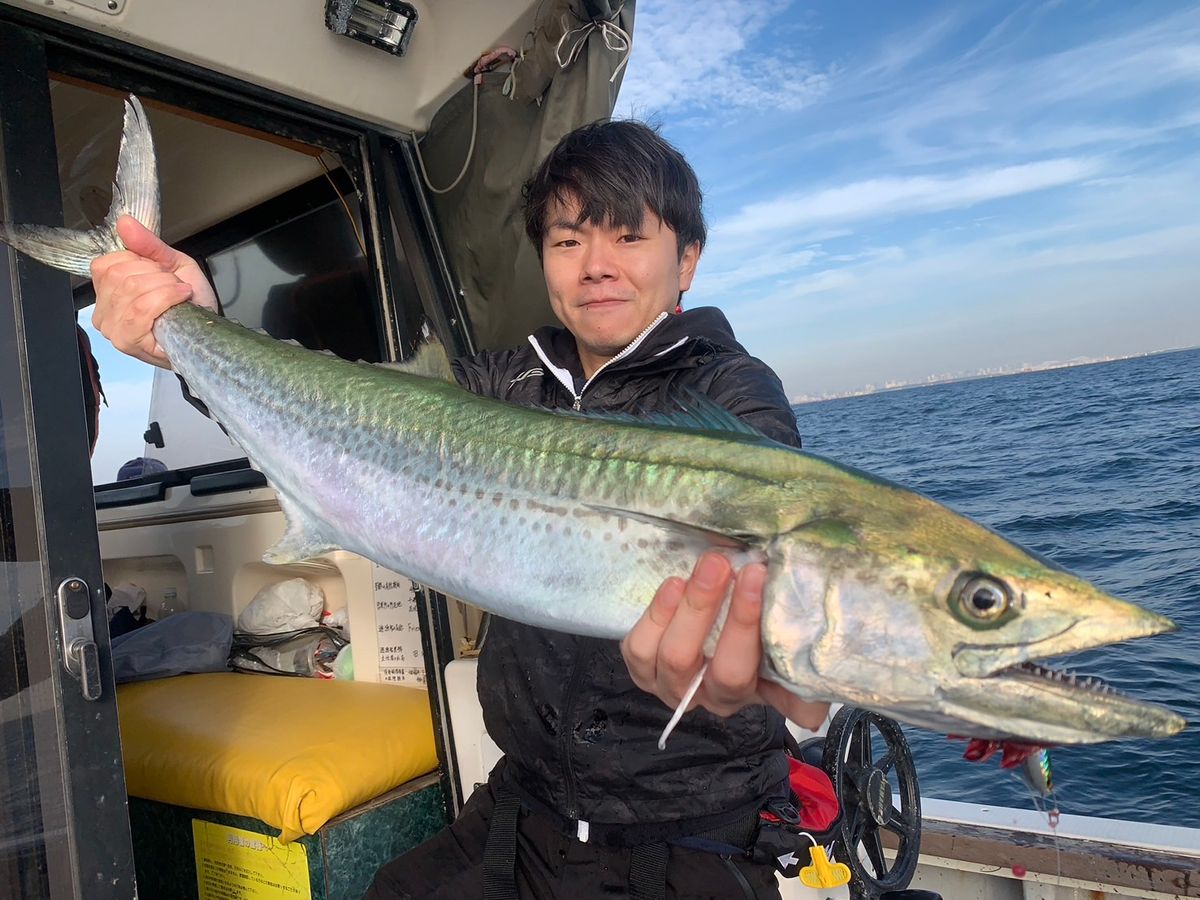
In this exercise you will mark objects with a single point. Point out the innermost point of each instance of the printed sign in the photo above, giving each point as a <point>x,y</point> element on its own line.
<point>398,628</point>
<point>235,864</point>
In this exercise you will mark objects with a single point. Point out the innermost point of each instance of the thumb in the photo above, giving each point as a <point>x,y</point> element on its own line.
<point>139,239</point>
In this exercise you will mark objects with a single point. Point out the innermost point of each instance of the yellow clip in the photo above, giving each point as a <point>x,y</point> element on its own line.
<point>822,873</point>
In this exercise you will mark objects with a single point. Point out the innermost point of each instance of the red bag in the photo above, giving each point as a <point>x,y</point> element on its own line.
<point>818,800</point>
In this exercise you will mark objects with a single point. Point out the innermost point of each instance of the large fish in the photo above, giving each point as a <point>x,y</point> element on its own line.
<point>876,596</point>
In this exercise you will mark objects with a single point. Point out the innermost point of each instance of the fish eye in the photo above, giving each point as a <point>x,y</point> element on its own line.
<point>983,598</point>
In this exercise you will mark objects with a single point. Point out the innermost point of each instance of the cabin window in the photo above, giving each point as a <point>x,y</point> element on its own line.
<point>275,223</point>
<point>304,280</point>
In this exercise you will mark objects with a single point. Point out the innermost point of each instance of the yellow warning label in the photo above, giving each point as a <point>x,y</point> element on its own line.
<point>235,864</point>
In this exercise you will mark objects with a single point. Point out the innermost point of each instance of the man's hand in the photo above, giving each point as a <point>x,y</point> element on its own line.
<point>665,649</point>
<point>137,285</point>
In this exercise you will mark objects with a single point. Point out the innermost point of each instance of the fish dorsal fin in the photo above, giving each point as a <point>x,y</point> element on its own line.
<point>429,361</point>
<point>696,412</point>
<point>692,533</point>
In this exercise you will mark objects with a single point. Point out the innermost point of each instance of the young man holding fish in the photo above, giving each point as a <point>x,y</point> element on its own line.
<point>592,804</point>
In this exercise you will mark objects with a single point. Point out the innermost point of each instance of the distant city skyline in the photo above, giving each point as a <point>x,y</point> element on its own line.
<point>992,372</point>
<point>935,187</point>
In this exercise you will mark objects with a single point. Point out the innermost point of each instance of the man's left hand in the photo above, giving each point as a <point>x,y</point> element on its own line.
<point>665,649</point>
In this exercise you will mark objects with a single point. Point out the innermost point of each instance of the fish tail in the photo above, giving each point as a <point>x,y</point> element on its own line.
<point>135,193</point>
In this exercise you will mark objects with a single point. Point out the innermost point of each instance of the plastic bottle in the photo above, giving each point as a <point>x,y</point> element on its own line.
<point>170,604</point>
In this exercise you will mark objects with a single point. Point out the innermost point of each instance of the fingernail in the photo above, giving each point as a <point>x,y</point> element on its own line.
<point>710,570</point>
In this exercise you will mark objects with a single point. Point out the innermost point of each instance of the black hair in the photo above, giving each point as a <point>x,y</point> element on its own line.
<point>615,170</point>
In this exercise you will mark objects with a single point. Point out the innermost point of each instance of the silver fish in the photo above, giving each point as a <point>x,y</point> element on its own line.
<point>876,596</point>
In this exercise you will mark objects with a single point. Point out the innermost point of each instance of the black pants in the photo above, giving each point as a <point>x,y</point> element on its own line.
<point>449,866</point>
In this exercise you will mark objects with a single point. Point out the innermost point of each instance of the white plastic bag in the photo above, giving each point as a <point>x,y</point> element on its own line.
<point>283,606</point>
<point>128,595</point>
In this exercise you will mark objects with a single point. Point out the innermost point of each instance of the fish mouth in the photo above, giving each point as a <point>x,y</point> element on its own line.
<point>990,660</point>
<point>1061,704</point>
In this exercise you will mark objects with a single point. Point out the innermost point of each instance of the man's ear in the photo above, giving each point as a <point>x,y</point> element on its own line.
<point>687,265</point>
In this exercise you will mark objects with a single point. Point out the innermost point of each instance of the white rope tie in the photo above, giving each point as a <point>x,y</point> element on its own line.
<point>615,37</point>
<point>486,63</point>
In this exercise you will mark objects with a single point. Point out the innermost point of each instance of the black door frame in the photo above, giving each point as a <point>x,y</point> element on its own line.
<point>97,859</point>
<point>413,276</point>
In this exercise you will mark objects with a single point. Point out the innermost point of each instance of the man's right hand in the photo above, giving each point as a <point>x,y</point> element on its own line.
<point>137,285</point>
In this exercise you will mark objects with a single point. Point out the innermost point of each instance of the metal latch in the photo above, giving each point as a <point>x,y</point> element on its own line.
<point>81,657</point>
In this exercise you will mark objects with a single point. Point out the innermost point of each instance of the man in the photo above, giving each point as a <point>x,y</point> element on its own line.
<point>584,803</point>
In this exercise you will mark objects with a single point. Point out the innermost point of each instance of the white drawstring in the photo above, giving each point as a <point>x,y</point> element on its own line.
<point>485,63</point>
<point>470,148</point>
<point>616,39</point>
<point>688,696</point>
<point>509,87</point>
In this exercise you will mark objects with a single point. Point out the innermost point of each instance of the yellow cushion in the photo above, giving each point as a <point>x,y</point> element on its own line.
<point>293,752</point>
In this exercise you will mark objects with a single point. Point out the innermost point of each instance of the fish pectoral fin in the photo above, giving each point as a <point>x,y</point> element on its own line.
<point>299,541</point>
<point>691,532</point>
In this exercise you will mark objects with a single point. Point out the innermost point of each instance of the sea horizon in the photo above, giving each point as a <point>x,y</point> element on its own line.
<point>948,378</point>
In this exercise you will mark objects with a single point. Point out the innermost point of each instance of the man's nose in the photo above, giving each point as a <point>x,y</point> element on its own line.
<point>599,262</point>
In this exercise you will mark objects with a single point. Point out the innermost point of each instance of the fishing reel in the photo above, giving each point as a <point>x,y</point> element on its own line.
<point>867,758</point>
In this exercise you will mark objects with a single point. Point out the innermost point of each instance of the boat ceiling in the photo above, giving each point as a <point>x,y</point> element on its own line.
<point>211,170</point>
<point>284,45</point>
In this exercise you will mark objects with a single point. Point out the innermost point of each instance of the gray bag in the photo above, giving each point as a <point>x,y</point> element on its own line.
<point>182,643</point>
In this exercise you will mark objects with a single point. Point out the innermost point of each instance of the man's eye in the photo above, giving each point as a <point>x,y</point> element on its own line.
<point>630,238</point>
<point>568,242</point>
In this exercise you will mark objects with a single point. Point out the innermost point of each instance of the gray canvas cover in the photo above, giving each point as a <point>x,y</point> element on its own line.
<point>480,219</point>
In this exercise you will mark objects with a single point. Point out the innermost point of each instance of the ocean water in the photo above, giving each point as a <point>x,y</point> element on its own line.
<point>1098,468</point>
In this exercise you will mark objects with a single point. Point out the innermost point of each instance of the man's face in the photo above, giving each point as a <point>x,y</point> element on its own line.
<point>607,284</point>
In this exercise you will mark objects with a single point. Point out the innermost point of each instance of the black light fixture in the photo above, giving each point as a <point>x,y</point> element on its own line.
<point>386,24</point>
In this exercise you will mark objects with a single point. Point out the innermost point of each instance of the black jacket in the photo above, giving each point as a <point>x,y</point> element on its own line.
<point>579,737</point>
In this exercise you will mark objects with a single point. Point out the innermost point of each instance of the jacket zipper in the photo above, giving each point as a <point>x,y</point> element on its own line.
<point>564,377</point>
<point>566,717</point>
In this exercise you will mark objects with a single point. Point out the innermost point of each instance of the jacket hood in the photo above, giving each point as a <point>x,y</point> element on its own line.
<point>671,333</point>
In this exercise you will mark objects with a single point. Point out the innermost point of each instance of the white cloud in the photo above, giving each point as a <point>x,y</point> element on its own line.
<point>902,49</point>
<point>895,196</point>
<point>732,271</point>
<point>1102,269</point>
<point>1023,178</point>
<point>683,60</point>
<point>996,98</point>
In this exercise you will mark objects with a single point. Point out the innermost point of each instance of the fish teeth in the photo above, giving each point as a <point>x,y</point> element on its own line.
<point>1086,683</point>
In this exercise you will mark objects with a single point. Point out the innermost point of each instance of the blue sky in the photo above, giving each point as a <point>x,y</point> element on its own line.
<point>902,189</point>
